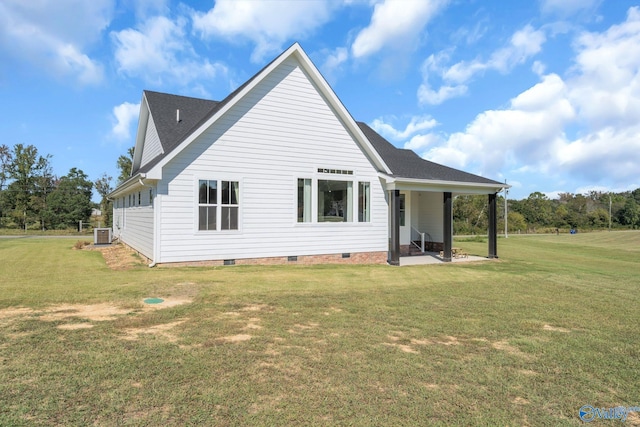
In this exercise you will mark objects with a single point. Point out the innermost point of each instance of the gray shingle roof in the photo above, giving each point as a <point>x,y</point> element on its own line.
<point>407,164</point>
<point>194,112</point>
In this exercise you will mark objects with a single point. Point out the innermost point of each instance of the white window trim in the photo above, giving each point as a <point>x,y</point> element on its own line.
<point>315,177</point>
<point>219,205</point>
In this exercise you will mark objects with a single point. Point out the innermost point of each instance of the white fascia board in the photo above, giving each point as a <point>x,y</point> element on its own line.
<point>413,184</point>
<point>137,181</point>
<point>303,59</point>
<point>143,120</point>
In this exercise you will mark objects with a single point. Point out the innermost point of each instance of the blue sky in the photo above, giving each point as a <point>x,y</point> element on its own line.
<point>544,94</point>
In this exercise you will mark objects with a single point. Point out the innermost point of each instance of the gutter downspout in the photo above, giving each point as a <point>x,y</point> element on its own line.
<point>153,262</point>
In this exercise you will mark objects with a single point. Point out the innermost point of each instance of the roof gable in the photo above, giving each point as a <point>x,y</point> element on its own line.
<point>174,118</point>
<point>183,139</point>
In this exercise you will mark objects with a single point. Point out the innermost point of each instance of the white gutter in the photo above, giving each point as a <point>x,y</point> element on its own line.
<point>153,261</point>
<point>392,182</point>
<point>132,182</point>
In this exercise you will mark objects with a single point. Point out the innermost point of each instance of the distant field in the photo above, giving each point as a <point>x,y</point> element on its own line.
<point>527,339</point>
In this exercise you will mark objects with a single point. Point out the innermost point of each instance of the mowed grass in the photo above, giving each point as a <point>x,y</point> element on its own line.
<point>524,340</point>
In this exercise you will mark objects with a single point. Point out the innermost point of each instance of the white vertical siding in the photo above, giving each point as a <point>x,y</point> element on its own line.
<point>152,147</point>
<point>430,208</point>
<point>281,131</point>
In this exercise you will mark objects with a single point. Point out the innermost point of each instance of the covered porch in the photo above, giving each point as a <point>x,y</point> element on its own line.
<point>421,218</point>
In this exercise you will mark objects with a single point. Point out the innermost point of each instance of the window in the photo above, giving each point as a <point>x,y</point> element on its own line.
<point>214,205</point>
<point>334,201</point>
<point>304,200</point>
<point>151,196</point>
<point>403,207</point>
<point>364,202</point>
<point>207,204</point>
<point>139,198</point>
<point>230,193</point>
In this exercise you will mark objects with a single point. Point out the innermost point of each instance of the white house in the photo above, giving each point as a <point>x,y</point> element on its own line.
<point>279,172</point>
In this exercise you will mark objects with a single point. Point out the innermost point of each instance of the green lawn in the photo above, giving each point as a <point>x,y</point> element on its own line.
<point>524,340</point>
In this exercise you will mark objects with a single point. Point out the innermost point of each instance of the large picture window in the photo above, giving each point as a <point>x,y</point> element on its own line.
<point>335,201</point>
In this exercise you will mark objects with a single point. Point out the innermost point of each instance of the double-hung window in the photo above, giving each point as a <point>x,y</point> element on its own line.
<point>230,194</point>
<point>218,205</point>
<point>207,204</point>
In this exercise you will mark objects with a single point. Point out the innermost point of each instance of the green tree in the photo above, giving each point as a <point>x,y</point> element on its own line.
<point>470,214</point>
<point>598,218</point>
<point>5,160</point>
<point>630,213</point>
<point>70,202</point>
<point>103,187</point>
<point>516,222</point>
<point>31,179</point>
<point>536,209</point>
<point>125,164</point>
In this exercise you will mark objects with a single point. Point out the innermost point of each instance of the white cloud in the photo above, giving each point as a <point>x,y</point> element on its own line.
<point>417,124</point>
<point>395,23</point>
<point>125,115</point>
<point>53,34</point>
<point>426,95</point>
<point>527,132</point>
<point>606,81</point>
<point>523,44</point>
<point>422,141</point>
<point>159,49</point>
<point>599,101</point>
<point>268,24</point>
<point>334,59</point>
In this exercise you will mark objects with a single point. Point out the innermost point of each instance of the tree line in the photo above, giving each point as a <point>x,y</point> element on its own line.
<point>595,210</point>
<point>32,196</point>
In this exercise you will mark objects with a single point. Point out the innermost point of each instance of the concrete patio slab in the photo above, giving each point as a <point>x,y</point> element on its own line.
<point>434,258</point>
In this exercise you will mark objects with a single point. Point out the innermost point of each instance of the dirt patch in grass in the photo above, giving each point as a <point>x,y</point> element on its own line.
<point>8,315</point>
<point>168,302</point>
<point>162,330</point>
<point>75,326</point>
<point>118,256</point>
<point>520,401</point>
<point>556,329</point>
<point>633,419</point>
<point>508,348</point>
<point>235,338</point>
<point>93,312</point>
<point>408,345</point>
<point>88,312</point>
